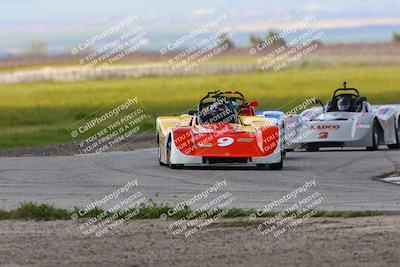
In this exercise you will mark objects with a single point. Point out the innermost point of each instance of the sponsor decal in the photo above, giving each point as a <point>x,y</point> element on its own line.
<point>204,145</point>
<point>324,127</point>
<point>363,126</point>
<point>323,135</point>
<point>244,140</point>
<point>383,111</point>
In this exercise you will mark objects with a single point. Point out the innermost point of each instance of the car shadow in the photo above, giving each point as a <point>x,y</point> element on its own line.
<point>341,150</point>
<point>227,168</point>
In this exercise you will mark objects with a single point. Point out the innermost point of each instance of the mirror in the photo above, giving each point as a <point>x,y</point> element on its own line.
<point>253,104</point>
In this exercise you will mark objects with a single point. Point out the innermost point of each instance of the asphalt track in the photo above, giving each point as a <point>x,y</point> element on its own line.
<point>347,178</point>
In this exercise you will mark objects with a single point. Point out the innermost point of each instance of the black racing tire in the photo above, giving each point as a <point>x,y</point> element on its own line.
<point>312,148</point>
<point>375,137</point>
<point>159,157</point>
<point>276,166</point>
<point>397,130</point>
<point>176,166</point>
<point>283,141</point>
<point>262,166</point>
<point>172,166</point>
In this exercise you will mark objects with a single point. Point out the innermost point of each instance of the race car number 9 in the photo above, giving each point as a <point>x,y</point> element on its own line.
<point>225,141</point>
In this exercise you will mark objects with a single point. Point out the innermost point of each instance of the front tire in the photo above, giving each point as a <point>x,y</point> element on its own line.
<point>276,166</point>
<point>159,157</point>
<point>397,130</point>
<point>262,166</point>
<point>375,138</point>
<point>312,149</point>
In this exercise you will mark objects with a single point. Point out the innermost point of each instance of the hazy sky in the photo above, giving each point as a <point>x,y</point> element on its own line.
<point>61,23</point>
<point>244,14</point>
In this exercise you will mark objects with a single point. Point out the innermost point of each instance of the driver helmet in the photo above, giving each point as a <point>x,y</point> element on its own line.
<point>344,103</point>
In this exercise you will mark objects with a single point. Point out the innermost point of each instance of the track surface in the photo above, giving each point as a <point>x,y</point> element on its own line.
<point>347,177</point>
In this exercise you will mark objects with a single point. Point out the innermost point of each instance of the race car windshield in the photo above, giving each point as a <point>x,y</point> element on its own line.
<point>217,112</point>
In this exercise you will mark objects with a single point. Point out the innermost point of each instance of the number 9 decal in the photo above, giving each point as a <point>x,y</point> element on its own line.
<point>225,141</point>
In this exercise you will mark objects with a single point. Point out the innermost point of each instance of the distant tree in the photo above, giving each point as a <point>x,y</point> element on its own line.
<point>318,42</point>
<point>225,39</point>
<point>36,48</point>
<point>274,39</point>
<point>255,40</point>
<point>396,37</point>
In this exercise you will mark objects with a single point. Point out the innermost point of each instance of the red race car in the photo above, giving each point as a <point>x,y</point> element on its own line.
<point>219,131</point>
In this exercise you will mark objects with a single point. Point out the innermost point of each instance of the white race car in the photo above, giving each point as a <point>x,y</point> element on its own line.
<point>348,120</point>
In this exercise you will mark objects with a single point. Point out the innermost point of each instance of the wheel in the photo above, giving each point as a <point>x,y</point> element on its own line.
<point>262,166</point>
<point>176,166</point>
<point>276,166</point>
<point>283,141</point>
<point>312,148</point>
<point>172,166</point>
<point>375,138</point>
<point>159,157</point>
<point>397,130</point>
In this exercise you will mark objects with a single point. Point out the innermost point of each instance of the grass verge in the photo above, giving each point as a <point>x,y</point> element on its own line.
<point>31,211</point>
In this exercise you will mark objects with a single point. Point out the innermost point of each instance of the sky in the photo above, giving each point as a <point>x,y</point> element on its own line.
<point>59,21</point>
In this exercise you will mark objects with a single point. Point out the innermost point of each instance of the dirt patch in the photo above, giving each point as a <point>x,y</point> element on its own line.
<point>143,141</point>
<point>368,241</point>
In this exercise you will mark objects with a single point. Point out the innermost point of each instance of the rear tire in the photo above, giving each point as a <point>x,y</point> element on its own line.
<point>397,130</point>
<point>375,138</point>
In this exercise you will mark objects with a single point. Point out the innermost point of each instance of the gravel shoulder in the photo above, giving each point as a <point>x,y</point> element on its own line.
<point>366,241</point>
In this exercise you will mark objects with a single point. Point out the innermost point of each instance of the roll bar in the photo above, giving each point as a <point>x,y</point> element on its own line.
<point>218,93</point>
<point>345,89</point>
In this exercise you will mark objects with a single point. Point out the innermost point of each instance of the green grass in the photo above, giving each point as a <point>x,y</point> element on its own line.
<point>31,211</point>
<point>39,113</point>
